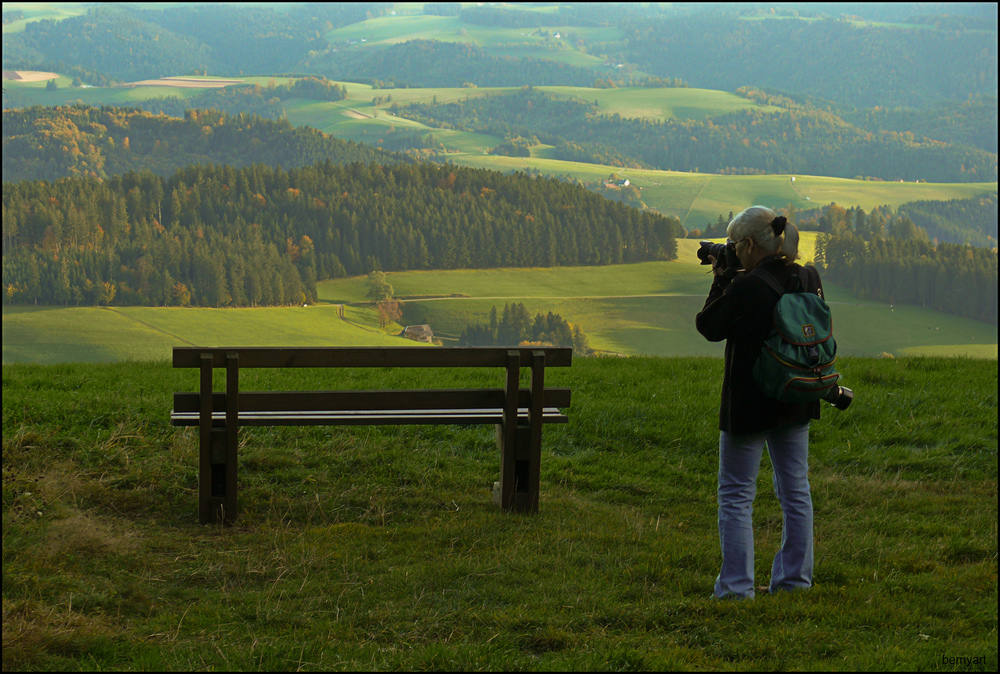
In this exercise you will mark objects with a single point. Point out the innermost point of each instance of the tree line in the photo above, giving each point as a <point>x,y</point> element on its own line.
<point>514,326</point>
<point>259,235</point>
<point>54,142</point>
<point>885,256</point>
<point>800,139</point>
<point>960,280</point>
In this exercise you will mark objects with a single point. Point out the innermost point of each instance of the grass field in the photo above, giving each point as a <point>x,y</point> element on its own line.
<point>37,11</point>
<point>637,309</point>
<point>518,42</point>
<point>378,548</point>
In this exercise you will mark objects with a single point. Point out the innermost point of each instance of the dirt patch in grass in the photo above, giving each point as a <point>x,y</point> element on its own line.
<point>28,75</point>
<point>185,83</point>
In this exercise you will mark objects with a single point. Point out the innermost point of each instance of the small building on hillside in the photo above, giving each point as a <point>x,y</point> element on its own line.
<point>418,333</point>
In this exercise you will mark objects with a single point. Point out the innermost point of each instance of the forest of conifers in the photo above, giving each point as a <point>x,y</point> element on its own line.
<point>959,280</point>
<point>258,235</point>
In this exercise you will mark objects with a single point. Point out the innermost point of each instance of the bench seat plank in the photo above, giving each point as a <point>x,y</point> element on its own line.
<point>367,417</point>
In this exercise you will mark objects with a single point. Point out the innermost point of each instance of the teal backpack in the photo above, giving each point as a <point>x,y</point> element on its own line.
<point>796,364</point>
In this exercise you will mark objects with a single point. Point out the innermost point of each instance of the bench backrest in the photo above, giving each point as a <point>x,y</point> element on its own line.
<point>235,359</point>
<point>372,356</point>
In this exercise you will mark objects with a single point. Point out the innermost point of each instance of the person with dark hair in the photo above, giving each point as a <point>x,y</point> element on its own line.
<point>739,310</point>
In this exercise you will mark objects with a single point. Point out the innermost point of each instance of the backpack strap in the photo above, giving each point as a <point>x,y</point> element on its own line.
<point>807,281</point>
<point>772,281</point>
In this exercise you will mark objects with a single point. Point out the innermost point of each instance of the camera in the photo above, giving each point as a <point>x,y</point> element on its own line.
<point>840,397</point>
<point>724,253</point>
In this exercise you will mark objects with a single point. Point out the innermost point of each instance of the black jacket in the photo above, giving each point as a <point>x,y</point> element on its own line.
<point>740,311</point>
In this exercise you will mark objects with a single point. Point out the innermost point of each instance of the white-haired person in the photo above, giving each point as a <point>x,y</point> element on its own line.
<point>739,309</point>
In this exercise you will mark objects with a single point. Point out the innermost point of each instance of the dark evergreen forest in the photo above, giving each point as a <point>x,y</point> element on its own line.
<point>515,326</point>
<point>258,235</point>
<point>960,280</point>
<point>886,256</point>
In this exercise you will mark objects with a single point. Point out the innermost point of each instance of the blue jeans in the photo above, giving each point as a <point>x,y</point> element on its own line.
<point>739,461</point>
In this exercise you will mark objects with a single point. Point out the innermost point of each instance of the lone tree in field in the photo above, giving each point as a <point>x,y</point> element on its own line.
<point>378,288</point>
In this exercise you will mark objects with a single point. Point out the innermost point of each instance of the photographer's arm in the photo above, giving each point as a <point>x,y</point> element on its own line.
<point>724,307</point>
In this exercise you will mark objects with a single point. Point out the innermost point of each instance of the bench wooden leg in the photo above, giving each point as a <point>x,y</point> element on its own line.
<point>217,499</point>
<point>503,491</point>
<point>205,514</point>
<point>521,445</point>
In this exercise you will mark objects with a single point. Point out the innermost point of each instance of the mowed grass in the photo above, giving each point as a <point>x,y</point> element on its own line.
<point>378,548</point>
<point>98,334</point>
<point>649,308</point>
<point>637,309</point>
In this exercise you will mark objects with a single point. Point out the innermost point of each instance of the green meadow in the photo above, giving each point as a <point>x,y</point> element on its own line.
<point>37,11</point>
<point>101,334</point>
<point>518,42</point>
<point>377,548</point>
<point>636,309</point>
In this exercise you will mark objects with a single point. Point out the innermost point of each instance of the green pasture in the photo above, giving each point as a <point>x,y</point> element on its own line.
<point>37,11</point>
<point>67,94</point>
<point>99,334</point>
<point>699,198</point>
<point>638,309</point>
<point>377,548</point>
<point>660,104</point>
<point>519,42</point>
<point>649,308</point>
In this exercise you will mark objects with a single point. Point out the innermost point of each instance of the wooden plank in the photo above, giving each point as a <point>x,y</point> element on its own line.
<point>373,356</point>
<point>205,514</point>
<point>368,417</point>
<point>508,431</point>
<point>535,422</point>
<point>230,508</point>
<point>415,399</point>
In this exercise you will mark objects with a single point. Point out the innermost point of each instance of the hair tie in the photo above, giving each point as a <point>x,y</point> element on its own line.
<point>778,225</point>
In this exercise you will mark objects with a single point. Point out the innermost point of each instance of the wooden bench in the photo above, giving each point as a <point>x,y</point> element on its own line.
<point>518,413</point>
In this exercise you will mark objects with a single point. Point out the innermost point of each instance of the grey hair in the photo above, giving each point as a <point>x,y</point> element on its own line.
<point>756,223</point>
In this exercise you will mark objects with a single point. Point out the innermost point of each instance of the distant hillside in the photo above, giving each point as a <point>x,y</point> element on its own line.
<point>800,139</point>
<point>51,143</point>
<point>429,63</point>
<point>125,44</point>
<point>853,65</point>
